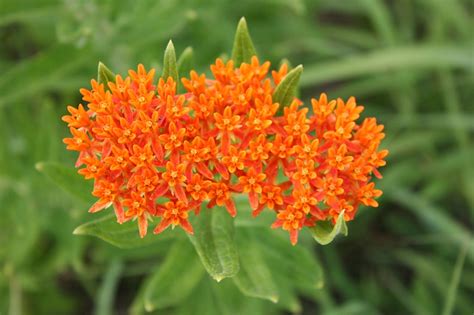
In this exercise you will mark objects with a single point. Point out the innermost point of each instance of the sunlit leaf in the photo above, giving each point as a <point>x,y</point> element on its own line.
<point>214,242</point>
<point>175,278</point>
<point>287,89</point>
<point>122,235</point>
<point>186,62</point>
<point>243,49</point>
<point>67,178</point>
<point>104,75</point>
<point>324,232</point>
<point>170,67</point>
<point>254,278</point>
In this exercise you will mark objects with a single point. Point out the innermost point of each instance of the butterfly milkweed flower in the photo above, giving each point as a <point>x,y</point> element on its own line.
<point>156,155</point>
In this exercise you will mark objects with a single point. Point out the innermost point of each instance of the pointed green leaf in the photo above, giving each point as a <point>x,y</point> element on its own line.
<point>175,278</point>
<point>170,68</point>
<point>291,261</point>
<point>254,278</point>
<point>122,235</point>
<point>104,75</point>
<point>67,178</point>
<point>213,240</point>
<point>185,65</point>
<point>243,49</point>
<point>324,232</point>
<point>287,89</point>
<point>186,62</point>
<point>108,288</point>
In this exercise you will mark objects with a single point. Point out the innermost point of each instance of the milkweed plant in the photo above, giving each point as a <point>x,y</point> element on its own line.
<point>199,151</point>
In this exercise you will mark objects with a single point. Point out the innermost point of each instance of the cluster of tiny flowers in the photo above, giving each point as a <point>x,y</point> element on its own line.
<point>155,153</point>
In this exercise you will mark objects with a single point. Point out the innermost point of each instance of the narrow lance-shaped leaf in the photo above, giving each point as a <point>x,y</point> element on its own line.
<point>185,65</point>
<point>121,235</point>
<point>254,278</point>
<point>287,89</point>
<point>186,62</point>
<point>213,240</point>
<point>291,261</point>
<point>106,294</point>
<point>104,75</point>
<point>324,232</point>
<point>67,178</point>
<point>174,278</point>
<point>170,67</point>
<point>243,49</point>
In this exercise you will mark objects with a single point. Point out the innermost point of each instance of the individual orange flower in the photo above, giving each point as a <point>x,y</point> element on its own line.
<point>282,147</point>
<point>280,74</point>
<point>304,171</point>
<point>330,186</point>
<point>107,192</point>
<point>176,213</point>
<point>251,183</point>
<point>142,77</point>
<point>78,118</point>
<point>118,160</point>
<point>198,188</point>
<point>259,148</point>
<point>174,138</point>
<point>79,142</point>
<point>94,168</point>
<point>291,220</point>
<point>304,200</point>
<point>307,149</point>
<point>142,156</point>
<point>338,159</point>
<point>368,193</point>
<point>271,196</point>
<point>227,121</point>
<point>220,194</point>
<point>257,122</point>
<point>234,160</point>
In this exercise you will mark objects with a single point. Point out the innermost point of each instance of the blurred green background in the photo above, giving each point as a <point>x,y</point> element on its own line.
<point>410,62</point>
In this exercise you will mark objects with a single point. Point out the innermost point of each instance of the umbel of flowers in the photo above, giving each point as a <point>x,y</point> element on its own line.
<point>157,155</point>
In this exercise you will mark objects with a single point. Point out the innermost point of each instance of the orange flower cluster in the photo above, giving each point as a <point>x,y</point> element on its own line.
<point>155,153</point>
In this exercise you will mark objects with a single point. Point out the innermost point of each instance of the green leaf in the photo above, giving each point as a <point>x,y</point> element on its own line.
<point>213,240</point>
<point>67,178</point>
<point>121,235</point>
<point>243,49</point>
<point>254,278</point>
<point>287,89</point>
<point>324,232</point>
<point>175,278</point>
<point>291,261</point>
<point>186,62</point>
<point>104,75</point>
<point>376,62</point>
<point>170,68</point>
<point>185,65</point>
<point>106,294</point>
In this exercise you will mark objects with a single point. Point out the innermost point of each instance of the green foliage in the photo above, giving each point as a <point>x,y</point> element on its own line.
<point>123,235</point>
<point>170,68</point>
<point>214,242</point>
<point>324,232</point>
<point>287,89</point>
<point>104,75</point>
<point>243,49</point>
<point>408,62</point>
<point>67,178</point>
<point>174,279</point>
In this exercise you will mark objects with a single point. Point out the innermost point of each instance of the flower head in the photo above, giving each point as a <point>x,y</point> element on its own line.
<point>156,154</point>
